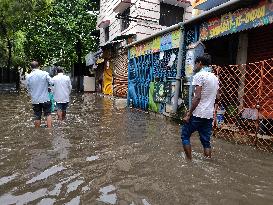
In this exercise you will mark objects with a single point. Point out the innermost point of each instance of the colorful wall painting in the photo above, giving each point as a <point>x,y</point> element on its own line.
<point>151,81</point>
<point>107,79</point>
<point>120,75</point>
<point>242,19</point>
<point>165,42</point>
<point>176,38</point>
<point>153,106</point>
<point>162,91</point>
<point>159,93</point>
<point>193,51</point>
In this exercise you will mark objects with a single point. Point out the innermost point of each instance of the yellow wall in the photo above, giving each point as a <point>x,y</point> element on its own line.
<point>107,80</point>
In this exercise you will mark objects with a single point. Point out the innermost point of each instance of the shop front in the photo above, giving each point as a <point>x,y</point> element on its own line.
<point>240,43</point>
<point>253,23</point>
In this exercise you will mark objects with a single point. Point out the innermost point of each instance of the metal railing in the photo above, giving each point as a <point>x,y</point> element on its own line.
<point>245,111</point>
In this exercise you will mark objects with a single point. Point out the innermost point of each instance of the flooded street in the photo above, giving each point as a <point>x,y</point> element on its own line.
<point>106,155</point>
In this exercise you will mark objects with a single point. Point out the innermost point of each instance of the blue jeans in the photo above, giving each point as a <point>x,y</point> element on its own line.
<point>202,125</point>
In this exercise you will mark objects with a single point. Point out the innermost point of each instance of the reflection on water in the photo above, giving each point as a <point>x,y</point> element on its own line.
<point>74,201</point>
<point>45,174</point>
<point>24,198</point>
<point>74,185</point>
<point>105,154</point>
<point>92,158</point>
<point>7,179</point>
<point>47,201</point>
<point>107,195</point>
<point>145,202</point>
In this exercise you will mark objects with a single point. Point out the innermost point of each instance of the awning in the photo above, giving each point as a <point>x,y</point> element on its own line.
<point>207,4</point>
<point>123,37</point>
<point>110,44</point>
<point>122,6</point>
<point>104,24</point>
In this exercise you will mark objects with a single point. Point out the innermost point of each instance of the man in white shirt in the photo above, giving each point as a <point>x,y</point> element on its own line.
<point>200,115</point>
<point>37,84</point>
<point>61,90</point>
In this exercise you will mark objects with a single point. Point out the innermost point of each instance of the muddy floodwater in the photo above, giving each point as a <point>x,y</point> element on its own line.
<point>106,154</point>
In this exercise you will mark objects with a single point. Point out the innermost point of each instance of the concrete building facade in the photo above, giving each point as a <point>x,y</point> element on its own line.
<point>122,22</point>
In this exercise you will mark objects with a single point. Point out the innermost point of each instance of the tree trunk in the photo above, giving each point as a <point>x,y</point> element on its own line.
<point>79,63</point>
<point>9,46</point>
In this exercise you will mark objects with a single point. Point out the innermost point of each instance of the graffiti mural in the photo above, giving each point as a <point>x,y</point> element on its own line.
<point>152,70</point>
<point>146,73</point>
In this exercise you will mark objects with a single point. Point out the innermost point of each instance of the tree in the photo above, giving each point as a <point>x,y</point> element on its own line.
<point>14,16</point>
<point>64,36</point>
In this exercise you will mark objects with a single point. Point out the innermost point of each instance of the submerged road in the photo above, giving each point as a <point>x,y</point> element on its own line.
<point>104,154</point>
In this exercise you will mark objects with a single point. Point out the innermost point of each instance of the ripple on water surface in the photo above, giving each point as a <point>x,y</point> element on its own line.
<point>106,154</point>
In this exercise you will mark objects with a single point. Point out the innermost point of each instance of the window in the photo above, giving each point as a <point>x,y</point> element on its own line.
<point>106,33</point>
<point>170,14</point>
<point>125,21</point>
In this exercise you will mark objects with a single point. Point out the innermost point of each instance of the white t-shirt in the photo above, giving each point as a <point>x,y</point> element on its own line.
<point>210,86</point>
<point>62,88</point>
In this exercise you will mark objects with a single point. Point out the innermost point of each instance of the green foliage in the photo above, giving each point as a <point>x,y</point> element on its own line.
<point>3,53</point>
<point>46,30</point>
<point>19,58</point>
<point>64,35</point>
<point>14,17</point>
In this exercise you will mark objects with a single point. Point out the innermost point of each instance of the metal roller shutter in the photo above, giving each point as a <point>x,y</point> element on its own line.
<point>260,44</point>
<point>260,78</point>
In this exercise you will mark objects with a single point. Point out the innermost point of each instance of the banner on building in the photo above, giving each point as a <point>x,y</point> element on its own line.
<point>165,42</point>
<point>242,19</point>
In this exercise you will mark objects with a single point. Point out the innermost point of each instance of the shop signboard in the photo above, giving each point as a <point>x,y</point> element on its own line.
<point>242,19</point>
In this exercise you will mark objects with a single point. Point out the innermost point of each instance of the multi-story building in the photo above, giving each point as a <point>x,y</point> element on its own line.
<point>123,21</point>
